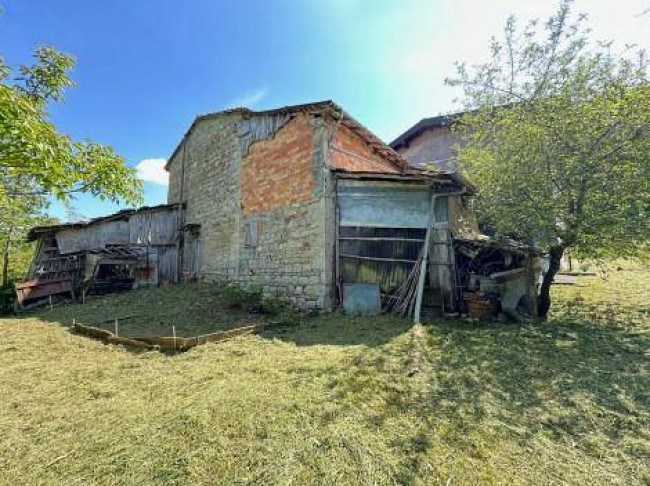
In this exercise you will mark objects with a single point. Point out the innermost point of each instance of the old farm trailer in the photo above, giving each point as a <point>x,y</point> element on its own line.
<point>106,254</point>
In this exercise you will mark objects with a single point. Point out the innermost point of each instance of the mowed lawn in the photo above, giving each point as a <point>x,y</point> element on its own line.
<point>331,401</point>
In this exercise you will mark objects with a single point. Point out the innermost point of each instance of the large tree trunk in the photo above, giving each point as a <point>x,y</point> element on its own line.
<point>544,300</point>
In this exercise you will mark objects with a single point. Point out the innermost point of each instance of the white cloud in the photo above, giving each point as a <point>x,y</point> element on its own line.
<point>153,170</point>
<point>249,100</point>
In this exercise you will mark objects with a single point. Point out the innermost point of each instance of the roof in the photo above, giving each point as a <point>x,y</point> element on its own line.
<point>120,215</point>
<point>321,107</point>
<point>414,175</point>
<point>425,124</point>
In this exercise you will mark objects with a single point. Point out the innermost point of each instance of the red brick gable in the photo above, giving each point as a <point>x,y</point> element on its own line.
<point>350,152</point>
<point>277,172</point>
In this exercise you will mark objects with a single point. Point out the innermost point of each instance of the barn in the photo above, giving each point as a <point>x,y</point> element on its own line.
<point>114,252</point>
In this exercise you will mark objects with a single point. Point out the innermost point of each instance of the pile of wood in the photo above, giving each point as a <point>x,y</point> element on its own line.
<point>480,306</point>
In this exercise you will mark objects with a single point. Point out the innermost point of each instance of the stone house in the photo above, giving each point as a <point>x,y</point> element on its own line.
<point>302,201</point>
<point>430,141</point>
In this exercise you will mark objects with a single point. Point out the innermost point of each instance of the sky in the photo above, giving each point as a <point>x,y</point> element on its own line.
<point>145,69</point>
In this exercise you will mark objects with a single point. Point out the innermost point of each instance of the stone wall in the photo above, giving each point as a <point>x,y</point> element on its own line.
<point>267,217</point>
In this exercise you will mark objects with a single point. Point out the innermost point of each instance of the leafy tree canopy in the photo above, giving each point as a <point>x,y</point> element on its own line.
<point>557,139</point>
<point>37,161</point>
<point>32,148</point>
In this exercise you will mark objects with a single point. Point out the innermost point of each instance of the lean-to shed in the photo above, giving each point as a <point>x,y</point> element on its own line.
<point>118,251</point>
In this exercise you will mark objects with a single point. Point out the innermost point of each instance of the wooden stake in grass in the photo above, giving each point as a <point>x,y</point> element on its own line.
<point>174,334</point>
<point>117,327</point>
<point>50,299</point>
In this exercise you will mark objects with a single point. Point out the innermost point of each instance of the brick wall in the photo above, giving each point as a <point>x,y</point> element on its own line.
<point>277,172</point>
<point>350,152</point>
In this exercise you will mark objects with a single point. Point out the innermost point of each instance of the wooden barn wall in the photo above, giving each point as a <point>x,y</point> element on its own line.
<point>364,251</point>
<point>167,262</point>
<point>153,227</point>
<point>151,234</point>
<point>97,235</point>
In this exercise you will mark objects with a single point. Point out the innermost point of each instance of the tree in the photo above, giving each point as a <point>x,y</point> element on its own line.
<point>31,147</point>
<point>37,161</point>
<point>17,215</point>
<point>557,139</point>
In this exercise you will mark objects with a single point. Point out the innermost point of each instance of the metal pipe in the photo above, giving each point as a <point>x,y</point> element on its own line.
<point>425,260</point>
<point>425,256</point>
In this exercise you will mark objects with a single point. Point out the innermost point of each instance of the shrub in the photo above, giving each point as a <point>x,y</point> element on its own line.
<point>249,299</point>
<point>273,306</point>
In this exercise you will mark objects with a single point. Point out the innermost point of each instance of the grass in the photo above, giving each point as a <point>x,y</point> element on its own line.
<point>330,402</point>
<point>192,308</point>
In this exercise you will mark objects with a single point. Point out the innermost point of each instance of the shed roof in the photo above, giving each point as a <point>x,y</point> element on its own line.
<point>119,215</point>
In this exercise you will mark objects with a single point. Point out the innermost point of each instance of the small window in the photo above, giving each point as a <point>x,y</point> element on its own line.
<point>252,236</point>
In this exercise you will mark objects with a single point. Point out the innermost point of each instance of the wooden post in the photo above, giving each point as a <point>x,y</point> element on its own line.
<point>117,327</point>
<point>425,260</point>
<point>174,334</point>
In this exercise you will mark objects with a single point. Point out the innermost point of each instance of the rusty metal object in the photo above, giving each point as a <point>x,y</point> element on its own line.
<point>37,287</point>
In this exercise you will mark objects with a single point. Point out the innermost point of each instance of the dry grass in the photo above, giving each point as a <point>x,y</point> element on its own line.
<point>330,402</point>
<point>192,308</point>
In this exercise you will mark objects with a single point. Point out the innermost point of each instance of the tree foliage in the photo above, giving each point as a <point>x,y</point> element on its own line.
<point>31,147</point>
<point>557,138</point>
<point>37,161</point>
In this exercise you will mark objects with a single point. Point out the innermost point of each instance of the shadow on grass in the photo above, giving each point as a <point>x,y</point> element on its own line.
<point>340,330</point>
<point>579,385</point>
<point>188,310</point>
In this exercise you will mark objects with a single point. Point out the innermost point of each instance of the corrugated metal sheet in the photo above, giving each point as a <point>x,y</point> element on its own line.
<point>384,207</point>
<point>387,205</point>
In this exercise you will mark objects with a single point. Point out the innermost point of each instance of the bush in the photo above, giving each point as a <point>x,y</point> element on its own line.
<point>273,306</point>
<point>8,300</point>
<point>289,318</point>
<point>249,299</point>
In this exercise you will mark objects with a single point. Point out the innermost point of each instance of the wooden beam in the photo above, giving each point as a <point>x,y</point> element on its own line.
<point>379,238</point>
<point>377,259</point>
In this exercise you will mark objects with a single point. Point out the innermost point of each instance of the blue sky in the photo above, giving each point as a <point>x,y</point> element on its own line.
<point>146,68</point>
